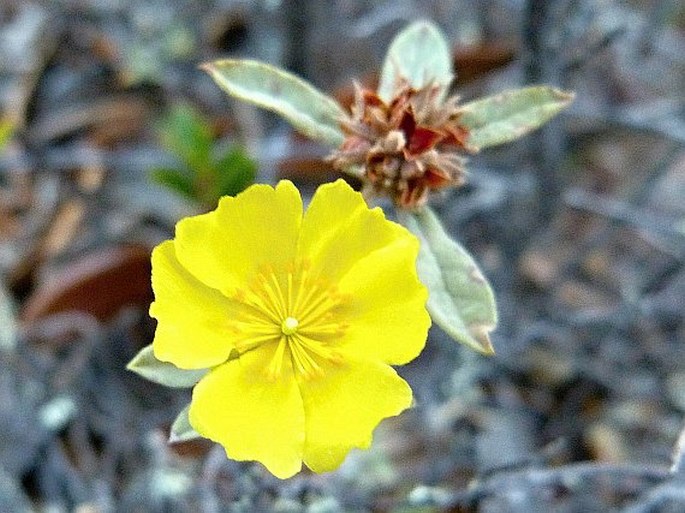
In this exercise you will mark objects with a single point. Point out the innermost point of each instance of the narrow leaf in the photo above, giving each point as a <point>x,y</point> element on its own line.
<point>507,116</point>
<point>235,170</point>
<point>174,179</point>
<point>145,364</point>
<point>187,135</point>
<point>460,299</point>
<point>181,430</point>
<point>301,104</point>
<point>420,55</point>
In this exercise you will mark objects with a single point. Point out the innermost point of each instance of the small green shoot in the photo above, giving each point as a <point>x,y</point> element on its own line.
<point>202,173</point>
<point>6,132</point>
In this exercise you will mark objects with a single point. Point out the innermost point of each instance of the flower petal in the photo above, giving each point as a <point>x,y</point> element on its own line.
<point>252,417</point>
<point>190,315</point>
<point>343,407</point>
<point>386,310</point>
<point>225,248</point>
<point>339,228</point>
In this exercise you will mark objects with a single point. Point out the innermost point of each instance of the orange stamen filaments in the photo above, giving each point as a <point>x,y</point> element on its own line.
<point>296,313</point>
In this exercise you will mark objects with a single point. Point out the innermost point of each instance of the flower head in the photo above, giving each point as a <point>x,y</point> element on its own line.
<point>407,147</point>
<point>299,318</point>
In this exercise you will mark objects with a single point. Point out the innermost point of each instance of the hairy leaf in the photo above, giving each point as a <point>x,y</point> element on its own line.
<point>181,430</point>
<point>507,116</point>
<point>145,364</point>
<point>301,104</point>
<point>460,299</point>
<point>420,55</point>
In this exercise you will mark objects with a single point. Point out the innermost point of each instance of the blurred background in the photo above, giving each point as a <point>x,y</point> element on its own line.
<point>109,134</point>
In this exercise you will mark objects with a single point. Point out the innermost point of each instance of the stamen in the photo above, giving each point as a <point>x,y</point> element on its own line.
<point>292,311</point>
<point>289,305</point>
<point>274,368</point>
<point>323,316</point>
<point>318,331</point>
<point>253,315</point>
<point>255,301</point>
<point>254,342</point>
<point>303,362</point>
<point>319,306</point>
<point>271,294</point>
<point>318,348</point>
<point>304,291</point>
<point>277,288</point>
<point>249,328</point>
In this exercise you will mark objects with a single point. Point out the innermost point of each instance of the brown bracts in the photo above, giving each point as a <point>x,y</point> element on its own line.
<point>406,148</point>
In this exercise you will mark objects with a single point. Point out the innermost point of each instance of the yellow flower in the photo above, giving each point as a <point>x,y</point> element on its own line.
<point>299,318</point>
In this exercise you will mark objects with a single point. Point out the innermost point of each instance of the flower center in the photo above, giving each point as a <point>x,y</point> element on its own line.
<point>295,311</point>
<point>289,326</point>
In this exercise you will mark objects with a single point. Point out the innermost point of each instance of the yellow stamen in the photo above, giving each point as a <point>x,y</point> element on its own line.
<point>303,361</point>
<point>274,368</point>
<point>317,306</point>
<point>294,311</point>
<point>253,342</point>
<point>255,301</point>
<point>318,348</point>
<point>272,299</point>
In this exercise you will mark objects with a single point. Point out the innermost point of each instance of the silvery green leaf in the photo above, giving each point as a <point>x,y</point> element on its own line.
<point>145,364</point>
<point>460,299</point>
<point>420,55</point>
<point>309,110</point>
<point>181,430</point>
<point>507,116</point>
